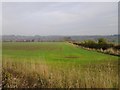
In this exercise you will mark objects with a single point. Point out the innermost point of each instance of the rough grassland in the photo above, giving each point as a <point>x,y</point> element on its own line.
<point>56,64</point>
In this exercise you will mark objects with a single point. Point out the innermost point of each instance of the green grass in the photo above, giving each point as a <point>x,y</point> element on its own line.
<point>50,51</point>
<point>57,64</point>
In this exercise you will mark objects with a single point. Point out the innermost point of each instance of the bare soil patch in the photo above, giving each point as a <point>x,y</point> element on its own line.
<point>71,57</point>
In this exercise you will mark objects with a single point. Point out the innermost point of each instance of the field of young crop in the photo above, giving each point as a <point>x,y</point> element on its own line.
<point>56,65</point>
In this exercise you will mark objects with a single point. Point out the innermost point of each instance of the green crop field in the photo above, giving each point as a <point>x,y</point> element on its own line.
<point>56,65</point>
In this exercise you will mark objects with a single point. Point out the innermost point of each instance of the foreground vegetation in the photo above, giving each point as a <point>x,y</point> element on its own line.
<point>56,65</point>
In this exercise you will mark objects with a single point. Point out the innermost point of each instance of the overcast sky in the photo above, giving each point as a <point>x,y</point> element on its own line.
<point>43,18</point>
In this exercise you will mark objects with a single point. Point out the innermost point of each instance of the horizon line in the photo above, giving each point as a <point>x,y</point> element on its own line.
<point>61,35</point>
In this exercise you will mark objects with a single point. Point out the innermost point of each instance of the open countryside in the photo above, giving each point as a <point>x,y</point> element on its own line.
<point>57,65</point>
<point>54,45</point>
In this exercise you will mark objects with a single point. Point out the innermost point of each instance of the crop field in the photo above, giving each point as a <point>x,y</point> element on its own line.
<point>56,65</point>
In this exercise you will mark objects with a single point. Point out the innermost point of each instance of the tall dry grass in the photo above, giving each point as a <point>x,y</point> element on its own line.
<point>58,75</point>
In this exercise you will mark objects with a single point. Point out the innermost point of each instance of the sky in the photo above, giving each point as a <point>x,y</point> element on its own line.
<point>60,18</point>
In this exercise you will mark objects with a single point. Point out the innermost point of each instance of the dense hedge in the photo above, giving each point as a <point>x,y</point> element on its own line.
<point>99,44</point>
<point>117,47</point>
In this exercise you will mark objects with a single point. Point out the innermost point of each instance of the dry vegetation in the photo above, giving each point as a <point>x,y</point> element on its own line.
<point>43,75</point>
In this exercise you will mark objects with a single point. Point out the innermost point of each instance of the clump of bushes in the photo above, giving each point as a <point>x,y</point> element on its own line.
<point>101,45</point>
<point>117,47</point>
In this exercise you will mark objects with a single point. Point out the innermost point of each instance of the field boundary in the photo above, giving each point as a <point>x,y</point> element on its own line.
<point>89,49</point>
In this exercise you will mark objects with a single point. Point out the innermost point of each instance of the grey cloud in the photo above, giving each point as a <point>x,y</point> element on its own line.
<point>60,18</point>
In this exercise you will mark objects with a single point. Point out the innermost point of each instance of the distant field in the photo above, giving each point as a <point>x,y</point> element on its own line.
<point>57,64</point>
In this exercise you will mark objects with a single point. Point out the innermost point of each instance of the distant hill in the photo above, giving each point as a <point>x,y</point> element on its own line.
<point>111,38</point>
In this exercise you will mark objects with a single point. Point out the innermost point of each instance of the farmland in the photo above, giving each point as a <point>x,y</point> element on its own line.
<point>56,65</point>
